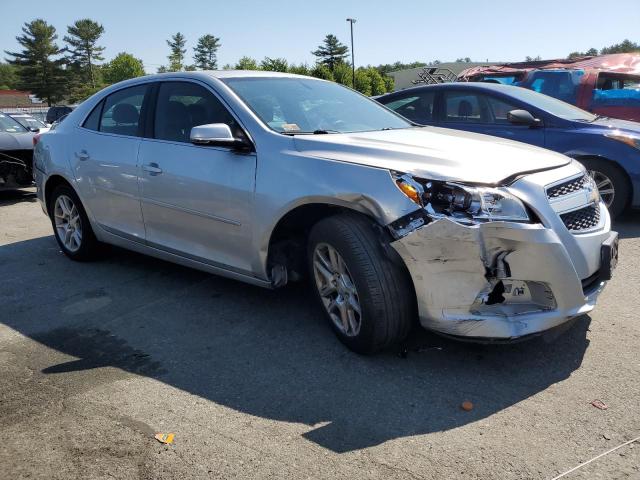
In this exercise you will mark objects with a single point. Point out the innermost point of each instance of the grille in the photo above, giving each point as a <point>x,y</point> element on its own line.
<point>583,218</point>
<point>567,187</point>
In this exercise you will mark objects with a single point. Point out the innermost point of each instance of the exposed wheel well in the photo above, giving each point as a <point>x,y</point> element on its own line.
<point>52,182</point>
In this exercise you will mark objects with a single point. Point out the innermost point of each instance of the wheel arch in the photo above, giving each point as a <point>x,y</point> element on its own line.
<point>286,242</point>
<point>50,185</point>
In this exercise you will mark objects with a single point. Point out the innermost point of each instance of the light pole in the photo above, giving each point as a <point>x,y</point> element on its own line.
<point>353,61</point>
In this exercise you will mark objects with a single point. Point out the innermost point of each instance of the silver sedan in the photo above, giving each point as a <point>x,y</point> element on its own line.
<point>267,178</point>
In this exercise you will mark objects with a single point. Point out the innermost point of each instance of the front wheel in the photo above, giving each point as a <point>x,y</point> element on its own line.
<point>367,297</point>
<point>612,184</point>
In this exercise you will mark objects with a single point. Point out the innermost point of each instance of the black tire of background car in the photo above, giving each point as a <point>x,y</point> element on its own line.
<point>89,247</point>
<point>619,179</point>
<point>385,290</point>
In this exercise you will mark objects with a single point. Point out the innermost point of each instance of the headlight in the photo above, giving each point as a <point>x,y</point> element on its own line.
<point>631,141</point>
<point>463,203</point>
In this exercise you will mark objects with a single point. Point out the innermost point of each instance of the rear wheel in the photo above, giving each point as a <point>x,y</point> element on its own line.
<point>71,225</point>
<point>612,184</point>
<point>367,297</point>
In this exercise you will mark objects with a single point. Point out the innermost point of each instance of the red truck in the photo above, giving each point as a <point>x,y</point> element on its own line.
<point>607,85</point>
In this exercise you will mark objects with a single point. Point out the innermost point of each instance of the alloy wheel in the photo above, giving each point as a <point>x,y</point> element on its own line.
<point>605,186</point>
<point>337,289</point>
<point>68,223</point>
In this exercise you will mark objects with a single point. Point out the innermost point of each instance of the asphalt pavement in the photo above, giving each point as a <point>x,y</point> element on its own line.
<point>96,358</point>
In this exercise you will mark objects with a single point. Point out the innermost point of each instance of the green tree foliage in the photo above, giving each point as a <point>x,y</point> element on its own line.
<point>389,83</point>
<point>463,60</point>
<point>592,52</point>
<point>342,74</point>
<point>40,63</point>
<point>206,51</point>
<point>378,86</point>
<point>123,67</point>
<point>331,52</point>
<point>363,81</point>
<point>626,46</point>
<point>247,63</point>
<point>302,69</point>
<point>533,59</point>
<point>178,51</point>
<point>84,51</point>
<point>274,64</point>
<point>394,67</point>
<point>8,76</point>
<point>322,71</point>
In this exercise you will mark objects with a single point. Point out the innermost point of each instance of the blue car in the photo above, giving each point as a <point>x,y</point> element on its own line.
<point>608,148</point>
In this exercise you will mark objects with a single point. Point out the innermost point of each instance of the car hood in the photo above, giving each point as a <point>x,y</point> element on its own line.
<point>16,141</point>
<point>433,153</point>
<point>617,124</point>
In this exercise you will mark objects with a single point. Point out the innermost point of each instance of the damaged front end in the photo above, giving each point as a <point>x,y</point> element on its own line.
<point>484,270</point>
<point>16,169</point>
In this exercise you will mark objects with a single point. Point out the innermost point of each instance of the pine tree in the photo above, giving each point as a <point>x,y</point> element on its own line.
<point>205,52</point>
<point>83,48</point>
<point>176,57</point>
<point>331,52</point>
<point>40,71</point>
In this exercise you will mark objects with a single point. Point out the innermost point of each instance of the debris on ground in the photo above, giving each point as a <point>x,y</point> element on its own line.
<point>599,404</point>
<point>166,438</point>
<point>467,406</point>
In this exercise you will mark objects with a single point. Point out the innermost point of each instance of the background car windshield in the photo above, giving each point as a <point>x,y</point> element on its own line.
<point>291,105</point>
<point>551,105</point>
<point>9,125</point>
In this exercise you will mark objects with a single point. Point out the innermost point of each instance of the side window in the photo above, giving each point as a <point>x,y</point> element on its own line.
<point>417,108</point>
<point>463,107</point>
<point>92,122</point>
<point>121,111</point>
<point>184,105</point>
<point>498,110</point>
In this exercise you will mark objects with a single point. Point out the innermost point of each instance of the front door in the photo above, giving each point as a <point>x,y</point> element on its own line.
<point>487,114</point>
<point>103,155</point>
<point>196,200</point>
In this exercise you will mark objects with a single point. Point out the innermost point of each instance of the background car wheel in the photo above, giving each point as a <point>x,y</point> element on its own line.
<point>367,296</point>
<point>71,225</point>
<point>612,183</point>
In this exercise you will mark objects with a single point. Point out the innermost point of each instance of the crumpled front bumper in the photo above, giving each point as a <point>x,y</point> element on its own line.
<point>499,280</point>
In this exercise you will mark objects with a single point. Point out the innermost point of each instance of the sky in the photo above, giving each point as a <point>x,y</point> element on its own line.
<point>385,31</point>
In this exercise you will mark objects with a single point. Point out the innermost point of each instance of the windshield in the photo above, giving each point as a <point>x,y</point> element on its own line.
<point>300,105</point>
<point>9,125</point>
<point>552,105</point>
<point>27,121</point>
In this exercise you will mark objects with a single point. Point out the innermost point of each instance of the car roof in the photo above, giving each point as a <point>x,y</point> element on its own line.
<point>484,86</point>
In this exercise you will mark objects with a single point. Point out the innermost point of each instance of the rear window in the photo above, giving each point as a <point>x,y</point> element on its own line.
<point>121,111</point>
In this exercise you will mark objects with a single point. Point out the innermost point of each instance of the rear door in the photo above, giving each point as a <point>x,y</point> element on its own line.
<point>484,113</point>
<point>103,155</point>
<point>197,200</point>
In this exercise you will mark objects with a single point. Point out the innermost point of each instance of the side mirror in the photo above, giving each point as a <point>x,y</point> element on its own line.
<point>34,129</point>
<point>216,134</point>
<point>522,117</point>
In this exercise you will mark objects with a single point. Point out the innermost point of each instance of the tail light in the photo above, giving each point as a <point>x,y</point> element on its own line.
<point>36,139</point>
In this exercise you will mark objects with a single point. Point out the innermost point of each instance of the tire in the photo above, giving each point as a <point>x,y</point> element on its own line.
<point>606,173</point>
<point>66,210</point>
<point>379,283</point>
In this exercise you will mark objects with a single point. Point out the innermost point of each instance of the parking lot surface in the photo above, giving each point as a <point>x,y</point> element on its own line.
<point>96,358</point>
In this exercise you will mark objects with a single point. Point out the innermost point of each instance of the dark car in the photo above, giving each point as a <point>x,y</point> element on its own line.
<point>608,148</point>
<point>16,154</point>
<point>54,113</point>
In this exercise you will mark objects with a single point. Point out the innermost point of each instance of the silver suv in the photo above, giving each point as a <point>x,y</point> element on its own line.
<point>265,177</point>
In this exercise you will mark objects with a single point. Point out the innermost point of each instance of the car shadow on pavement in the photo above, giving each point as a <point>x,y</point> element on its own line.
<point>11,197</point>
<point>266,353</point>
<point>628,224</point>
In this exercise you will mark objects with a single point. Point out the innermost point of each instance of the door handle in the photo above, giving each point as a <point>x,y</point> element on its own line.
<point>82,155</point>
<point>152,168</point>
